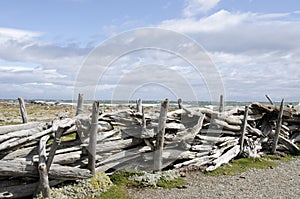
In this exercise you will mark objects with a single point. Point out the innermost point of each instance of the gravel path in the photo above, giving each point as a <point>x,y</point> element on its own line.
<point>280,182</point>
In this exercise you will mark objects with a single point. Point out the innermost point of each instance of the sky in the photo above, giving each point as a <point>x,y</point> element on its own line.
<point>252,47</point>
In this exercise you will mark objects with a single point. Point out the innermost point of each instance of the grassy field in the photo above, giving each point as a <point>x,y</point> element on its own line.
<point>10,112</point>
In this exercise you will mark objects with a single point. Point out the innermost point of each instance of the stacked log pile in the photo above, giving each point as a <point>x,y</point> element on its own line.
<point>127,138</point>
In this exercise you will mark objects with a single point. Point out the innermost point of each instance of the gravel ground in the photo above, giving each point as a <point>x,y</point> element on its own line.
<point>279,182</point>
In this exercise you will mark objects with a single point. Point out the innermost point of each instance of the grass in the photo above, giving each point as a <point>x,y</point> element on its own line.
<point>241,165</point>
<point>121,180</point>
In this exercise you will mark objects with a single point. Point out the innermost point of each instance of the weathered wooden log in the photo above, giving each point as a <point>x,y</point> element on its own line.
<point>23,168</point>
<point>19,127</point>
<point>79,109</point>
<point>25,140</point>
<point>278,127</point>
<point>294,149</point>
<point>93,138</point>
<point>23,110</point>
<point>21,133</point>
<point>225,158</point>
<point>42,168</point>
<point>160,136</point>
<point>113,145</point>
<point>244,129</point>
<point>226,126</point>
<point>196,161</point>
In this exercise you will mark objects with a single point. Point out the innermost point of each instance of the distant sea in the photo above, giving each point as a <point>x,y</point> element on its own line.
<point>148,102</point>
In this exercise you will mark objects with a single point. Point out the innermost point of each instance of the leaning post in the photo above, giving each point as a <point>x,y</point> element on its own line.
<point>278,127</point>
<point>244,129</point>
<point>23,110</point>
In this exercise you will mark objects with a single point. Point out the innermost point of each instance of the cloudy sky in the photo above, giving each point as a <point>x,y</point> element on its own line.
<point>253,46</point>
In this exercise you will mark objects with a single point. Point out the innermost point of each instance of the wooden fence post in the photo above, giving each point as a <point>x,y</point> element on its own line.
<point>244,129</point>
<point>139,105</point>
<point>278,127</point>
<point>23,110</point>
<point>158,160</point>
<point>221,107</point>
<point>42,168</point>
<point>93,138</point>
<point>180,103</point>
<point>79,109</point>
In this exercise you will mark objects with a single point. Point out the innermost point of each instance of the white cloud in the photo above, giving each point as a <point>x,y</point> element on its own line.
<point>216,22</point>
<point>17,34</point>
<point>194,7</point>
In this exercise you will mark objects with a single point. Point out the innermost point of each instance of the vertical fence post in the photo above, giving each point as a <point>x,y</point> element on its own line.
<point>42,168</point>
<point>23,110</point>
<point>278,127</point>
<point>158,160</point>
<point>221,107</point>
<point>180,103</point>
<point>244,129</point>
<point>93,138</point>
<point>79,109</point>
<point>139,106</point>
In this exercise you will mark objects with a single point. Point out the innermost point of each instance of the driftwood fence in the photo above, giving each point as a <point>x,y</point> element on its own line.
<point>33,156</point>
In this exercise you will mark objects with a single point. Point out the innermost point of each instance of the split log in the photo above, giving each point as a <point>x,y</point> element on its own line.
<point>225,158</point>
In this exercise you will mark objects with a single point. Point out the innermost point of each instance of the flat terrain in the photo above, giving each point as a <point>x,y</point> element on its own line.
<point>10,112</point>
<point>279,182</point>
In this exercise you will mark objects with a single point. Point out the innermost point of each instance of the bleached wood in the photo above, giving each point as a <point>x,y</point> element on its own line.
<point>23,110</point>
<point>278,127</point>
<point>160,136</point>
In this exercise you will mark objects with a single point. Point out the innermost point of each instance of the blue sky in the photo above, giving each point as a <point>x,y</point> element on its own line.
<point>254,45</point>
